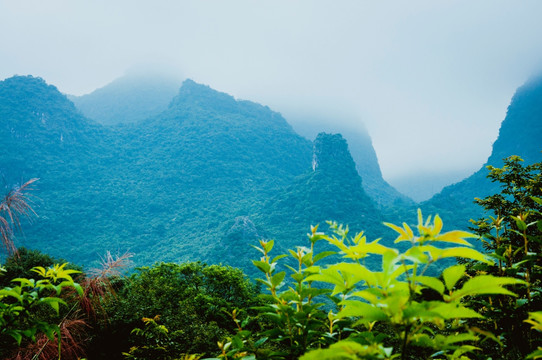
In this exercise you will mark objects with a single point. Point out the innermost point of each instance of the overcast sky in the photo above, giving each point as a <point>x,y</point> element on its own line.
<point>431,80</point>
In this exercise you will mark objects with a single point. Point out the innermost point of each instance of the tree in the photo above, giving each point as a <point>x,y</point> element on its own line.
<point>192,299</point>
<point>512,233</point>
<point>396,312</point>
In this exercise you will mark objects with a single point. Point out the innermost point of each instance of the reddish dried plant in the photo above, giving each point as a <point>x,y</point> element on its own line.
<point>73,335</point>
<point>73,326</point>
<point>98,287</point>
<point>13,207</point>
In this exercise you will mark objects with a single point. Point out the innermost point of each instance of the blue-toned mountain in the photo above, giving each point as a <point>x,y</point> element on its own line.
<point>199,181</point>
<point>520,134</point>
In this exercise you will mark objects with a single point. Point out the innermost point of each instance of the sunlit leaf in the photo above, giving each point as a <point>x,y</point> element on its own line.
<point>486,284</point>
<point>432,283</point>
<point>456,237</point>
<point>452,275</point>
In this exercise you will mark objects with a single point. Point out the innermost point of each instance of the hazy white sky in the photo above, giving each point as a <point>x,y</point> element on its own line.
<point>431,80</point>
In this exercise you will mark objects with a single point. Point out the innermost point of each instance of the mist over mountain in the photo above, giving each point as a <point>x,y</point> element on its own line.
<point>520,134</point>
<point>128,99</point>
<point>422,188</point>
<point>209,175</point>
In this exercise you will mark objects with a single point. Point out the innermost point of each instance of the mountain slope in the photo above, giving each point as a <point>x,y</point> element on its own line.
<point>330,190</point>
<point>520,134</point>
<point>44,136</point>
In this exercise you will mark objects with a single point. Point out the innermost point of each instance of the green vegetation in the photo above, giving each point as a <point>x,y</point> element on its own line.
<point>192,301</point>
<point>512,234</point>
<point>396,312</point>
<point>327,300</point>
<point>211,176</point>
<point>22,305</point>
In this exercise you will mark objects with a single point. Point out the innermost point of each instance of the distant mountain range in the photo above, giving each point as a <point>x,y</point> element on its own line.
<point>206,175</point>
<point>135,97</point>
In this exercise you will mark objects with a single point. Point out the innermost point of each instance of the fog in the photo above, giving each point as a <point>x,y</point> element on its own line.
<point>430,80</point>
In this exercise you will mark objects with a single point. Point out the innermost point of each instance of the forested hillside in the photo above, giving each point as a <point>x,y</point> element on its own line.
<point>208,177</point>
<point>176,186</point>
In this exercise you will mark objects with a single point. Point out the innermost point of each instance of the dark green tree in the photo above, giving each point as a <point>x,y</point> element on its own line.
<point>512,233</point>
<point>192,299</point>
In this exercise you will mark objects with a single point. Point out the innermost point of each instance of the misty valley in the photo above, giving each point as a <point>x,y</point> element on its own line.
<point>152,219</point>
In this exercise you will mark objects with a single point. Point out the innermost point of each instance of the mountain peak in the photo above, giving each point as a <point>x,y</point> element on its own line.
<point>521,130</point>
<point>129,99</point>
<point>31,92</point>
<point>192,93</point>
<point>331,152</point>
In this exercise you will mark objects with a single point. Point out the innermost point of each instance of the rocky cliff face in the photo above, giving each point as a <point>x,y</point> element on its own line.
<point>521,131</point>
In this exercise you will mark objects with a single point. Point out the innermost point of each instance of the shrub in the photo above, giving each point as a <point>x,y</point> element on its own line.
<point>397,311</point>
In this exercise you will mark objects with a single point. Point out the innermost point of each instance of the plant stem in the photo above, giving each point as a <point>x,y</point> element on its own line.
<point>403,347</point>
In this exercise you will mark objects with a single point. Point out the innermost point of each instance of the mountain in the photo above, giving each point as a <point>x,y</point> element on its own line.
<point>330,190</point>
<point>520,134</point>
<point>131,98</point>
<point>201,180</point>
<point>207,160</point>
<point>135,97</point>
<point>363,153</point>
<point>44,136</point>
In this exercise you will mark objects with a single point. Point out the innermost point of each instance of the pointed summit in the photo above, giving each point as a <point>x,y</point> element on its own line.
<point>32,99</point>
<point>34,111</point>
<point>192,94</point>
<point>331,154</point>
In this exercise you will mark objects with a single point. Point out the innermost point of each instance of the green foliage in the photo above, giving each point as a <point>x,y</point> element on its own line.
<point>512,233</point>
<point>24,260</point>
<point>154,342</point>
<point>379,314</point>
<point>19,303</point>
<point>535,319</point>
<point>192,300</point>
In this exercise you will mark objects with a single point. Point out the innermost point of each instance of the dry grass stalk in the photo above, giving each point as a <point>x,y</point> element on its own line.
<point>98,287</point>
<point>72,337</point>
<point>13,206</point>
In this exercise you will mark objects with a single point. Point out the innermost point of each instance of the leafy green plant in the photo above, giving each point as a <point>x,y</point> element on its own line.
<point>535,319</point>
<point>154,342</point>
<point>192,299</point>
<point>512,234</point>
<point>18,304</point>
<point>379,314</point>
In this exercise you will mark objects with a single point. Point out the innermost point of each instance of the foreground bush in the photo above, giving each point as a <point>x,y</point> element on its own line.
<point>191,299</point>
<point>396,312</point>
